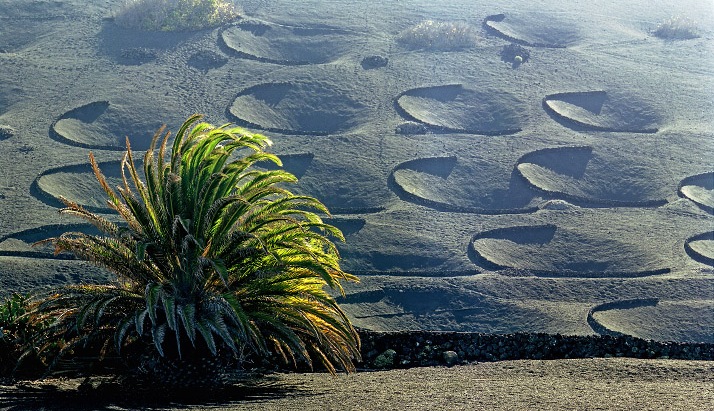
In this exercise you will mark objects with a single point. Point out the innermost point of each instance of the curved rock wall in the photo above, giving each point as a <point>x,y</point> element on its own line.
<point>423,348</point>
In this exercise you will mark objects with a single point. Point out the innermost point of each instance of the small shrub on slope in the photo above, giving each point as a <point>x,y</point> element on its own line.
<point>439,36</point>
<point>175,15</point>
<point>677,28</point>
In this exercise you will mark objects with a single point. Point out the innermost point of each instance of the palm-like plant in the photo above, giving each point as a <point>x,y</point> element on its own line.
<point>214,256</point>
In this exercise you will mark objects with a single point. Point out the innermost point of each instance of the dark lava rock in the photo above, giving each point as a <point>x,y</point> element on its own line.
<point>385,359</point>
<point>515,54</point>
<point>373,62</point>
<point>136,56</point>
<point>451,358</point>
<point>411,127</point>
<point>205,60</point>
<point>6,132</point>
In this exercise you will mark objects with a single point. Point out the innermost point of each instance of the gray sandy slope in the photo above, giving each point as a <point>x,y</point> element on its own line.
<point>528,195</point>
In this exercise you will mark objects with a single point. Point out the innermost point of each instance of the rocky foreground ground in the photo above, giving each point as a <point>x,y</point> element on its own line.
<point>583,384</point>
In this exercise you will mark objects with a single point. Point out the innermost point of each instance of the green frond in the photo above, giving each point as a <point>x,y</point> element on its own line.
<point>153,295</point>
<point>187,314</point>
<point>158,333</point>
<point>100,222</point>
<point>113,200</point>
<point>217,325</point>
<point>179,140</point>
<point>139,319</point>
<point>204,329</point>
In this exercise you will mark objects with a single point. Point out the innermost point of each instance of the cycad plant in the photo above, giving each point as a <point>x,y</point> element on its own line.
<point>212,256</point>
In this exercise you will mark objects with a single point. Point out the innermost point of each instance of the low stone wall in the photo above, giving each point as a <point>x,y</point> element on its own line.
<point>424,348</point>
